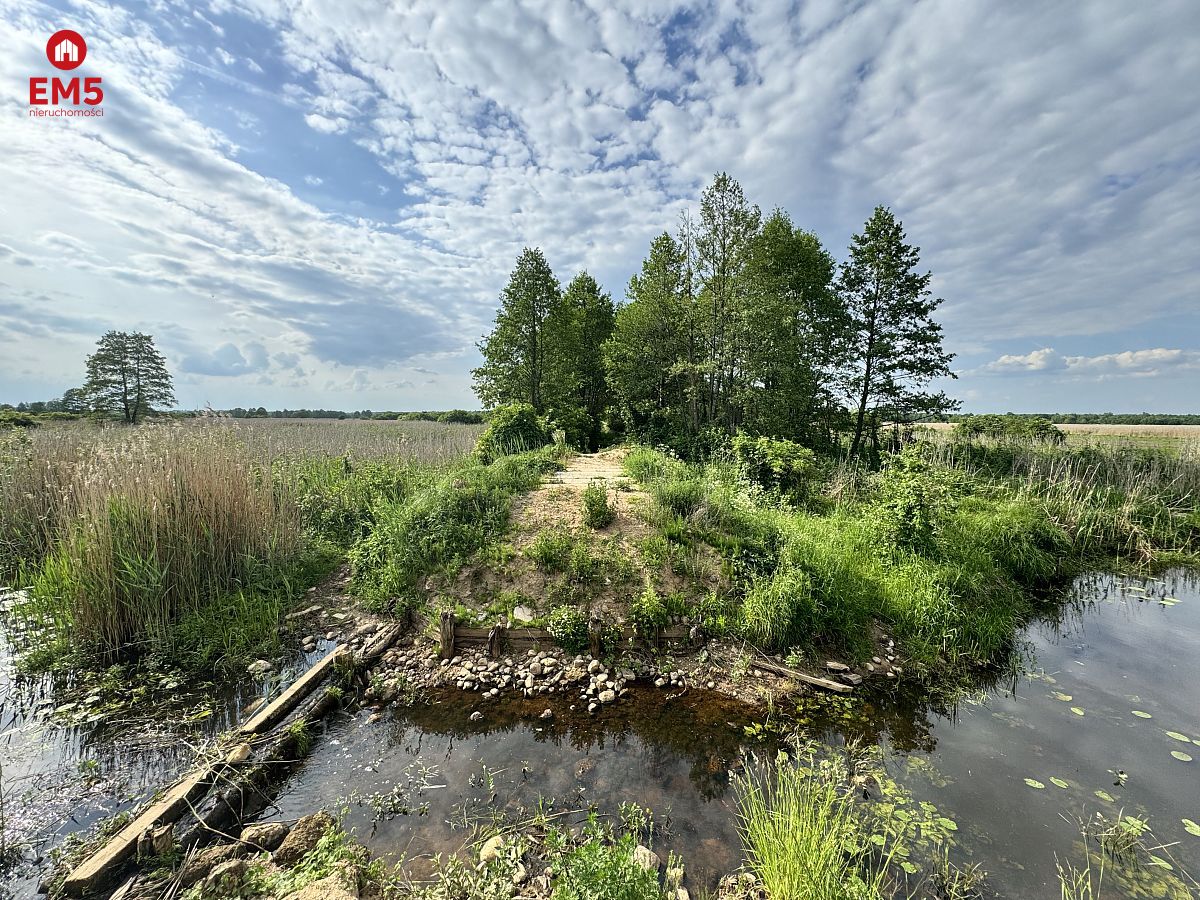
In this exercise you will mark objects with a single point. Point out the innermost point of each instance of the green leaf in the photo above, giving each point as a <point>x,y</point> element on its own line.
<point>1060,783</point>
<point>1181,756</point>
<point>1191,827</point>
<point>1178,736</point>
<point>1077,710</point>
<point>1105,796</point>
<point>1142,715</point>
<point>1035,784</point>
<point>1161,863</point>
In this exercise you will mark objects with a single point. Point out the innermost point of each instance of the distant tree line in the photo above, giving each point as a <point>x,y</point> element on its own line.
<point>735,323</point>
<point>1094,418</point>
<point>454,416</point>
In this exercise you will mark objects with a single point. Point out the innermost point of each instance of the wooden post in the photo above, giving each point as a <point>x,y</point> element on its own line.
<point>595,636</point>
<point>497,638</point>
<point>447,634</point>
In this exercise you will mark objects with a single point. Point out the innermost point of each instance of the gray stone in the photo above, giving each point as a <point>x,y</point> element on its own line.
<point>851,678</point>
<point>260,667</point>
<point>476,716</point>
<point>833,666</point>
<point>198,866</point>
<point>226,878</point>
<point>264,836</point>
<point>646,858</point>
<point>607,696</point>
<point>303,837</point>
<point>524,615</point>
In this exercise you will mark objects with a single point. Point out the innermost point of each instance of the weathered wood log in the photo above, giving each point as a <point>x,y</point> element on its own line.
<point>497,639</point>
<point>595,636</point>
<point>447,634</point>
<point>773,667</point>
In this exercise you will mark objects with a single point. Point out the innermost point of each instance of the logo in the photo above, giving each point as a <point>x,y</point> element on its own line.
<point>66,49</point>
<point>52,96</point>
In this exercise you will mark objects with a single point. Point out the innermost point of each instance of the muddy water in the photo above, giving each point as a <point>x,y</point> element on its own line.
<point>1117,649</point>
<point>415,779</point>
<point>56,781</point>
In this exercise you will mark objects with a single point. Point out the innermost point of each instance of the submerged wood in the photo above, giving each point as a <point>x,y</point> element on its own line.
<point>776,669</point>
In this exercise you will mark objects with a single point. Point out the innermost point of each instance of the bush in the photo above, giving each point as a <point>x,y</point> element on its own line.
<point>648,613</point>
<point>645,465</point>
<point>913,498</point>
<point>515,428</point>
<point>551,550</point>
<point>597,511</point>
<point>600,870</point>
<point>10,419</point>
<point>783,467</point>
<point>1010,428</point>
<point>568,626</point>
<point>680,496</point>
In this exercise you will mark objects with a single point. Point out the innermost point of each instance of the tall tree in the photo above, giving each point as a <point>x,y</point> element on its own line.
<point>591,312</point>
<point>895,346</point>
<point>646,358</point>
<point>127,375</point>
<point>795,325</point>
<point>728,226</point>
<point>522,356</point>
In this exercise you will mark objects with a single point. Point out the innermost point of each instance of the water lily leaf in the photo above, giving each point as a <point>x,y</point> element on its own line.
<point>1077,710</point>
<point>1161,863</point>
<point>1105,796</point>
<point>1181,756</point>
<point>1178,736</point>
<point>1035,784</point>
<point>1191,827</point>
<point>1065,698</point>
<point>948,824</point>
<point>1142,715</point>
<point>1060,783</point>
<point>908,867</point>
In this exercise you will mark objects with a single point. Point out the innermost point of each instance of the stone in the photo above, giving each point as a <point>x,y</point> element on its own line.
<point>524,615</point>
<point>549,663</point>
<point>331,887</point>
<point>711,685</point>
<point>226,878</point>
<point>682,894</point>
<point>851,678</point>
<point>646,858</point>
<point>592,707</point>
<point>198,866</point>
<point>302,838</point>
<point>264,836</point>
<point>260,667</point>
<point>660,682</point>
<point>607,696</point>
<point>476,716</point>
<point>877,660</point>
<point>535,669</point>
<point>594,666</point>
<point>491,848</point>
<point>156,841</point>
<point>833,666</point>
<point>547,714</point>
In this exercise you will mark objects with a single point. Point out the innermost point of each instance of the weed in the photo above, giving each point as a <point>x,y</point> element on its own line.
<point>568,626</point>
<point>597,511</point>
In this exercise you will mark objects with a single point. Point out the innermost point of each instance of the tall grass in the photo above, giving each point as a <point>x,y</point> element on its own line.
<point>144,528</point>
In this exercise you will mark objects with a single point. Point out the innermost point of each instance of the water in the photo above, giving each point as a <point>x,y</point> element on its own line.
<point>1117,649</point>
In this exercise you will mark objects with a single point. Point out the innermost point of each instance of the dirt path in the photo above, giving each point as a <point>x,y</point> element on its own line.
<point>583,469</point>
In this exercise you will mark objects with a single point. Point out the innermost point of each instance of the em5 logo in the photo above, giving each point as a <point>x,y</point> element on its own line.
<point>66,50</point>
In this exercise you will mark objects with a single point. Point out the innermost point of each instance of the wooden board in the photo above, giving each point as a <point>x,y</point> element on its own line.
<point>825,683</point>
<point>285,702</point>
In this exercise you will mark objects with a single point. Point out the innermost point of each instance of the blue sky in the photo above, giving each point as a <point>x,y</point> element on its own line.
<point>315,203</point>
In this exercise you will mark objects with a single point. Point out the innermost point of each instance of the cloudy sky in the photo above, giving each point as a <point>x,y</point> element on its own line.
<point>315,202</point>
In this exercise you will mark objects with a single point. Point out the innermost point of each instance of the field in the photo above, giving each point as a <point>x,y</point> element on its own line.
<point>1165,436</point>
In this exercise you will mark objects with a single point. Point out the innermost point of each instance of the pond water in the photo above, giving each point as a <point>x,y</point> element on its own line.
<point>1113,687</point>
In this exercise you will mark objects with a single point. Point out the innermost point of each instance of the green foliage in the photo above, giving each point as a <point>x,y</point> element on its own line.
<point>1009,428</point>
<point>647,612</point>
<point>778,609</point>
<point>337,497</point>
<point>441,525</point>
<point>597,511</point>
<point>913,498</point>
<point>645,465</point>
<point>514,428</point>
<point>781,466</point>
<point>603,868</point>
<point>128,376</point>
<point>551,550</point>
<point>568,626</point>
<point>680,496</point>
<point>12,419</point>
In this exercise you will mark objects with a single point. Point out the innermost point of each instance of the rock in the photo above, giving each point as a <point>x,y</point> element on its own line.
<point>535,669</point>
<point>594,667</point>
<point>519,875</point>
<point>851,678</point>
<point>833,666</point>
<point>491,848</point>
<point>476,716</point>
<point>711,685</point>
<point>331,887</point>
<point>549,663</point>
<point>264,836</point>
<point>156,841</point>
<point>303,838</point>
<point>877,660</point>
<point>198,866</point>
<point>660,682</point>
<point>260,667</point>
<point>238,754</point>
<point>607,696</point>
<point>547,714</point>
<point>592,707</point>
<point>646,858</point>
<point>225,879</point>
<point>524,615</point>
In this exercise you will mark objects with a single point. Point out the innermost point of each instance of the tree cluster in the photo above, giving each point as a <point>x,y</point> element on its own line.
<point>735,323</point>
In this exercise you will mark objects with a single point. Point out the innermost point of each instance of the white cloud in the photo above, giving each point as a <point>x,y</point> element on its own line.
<point>1128,363</point>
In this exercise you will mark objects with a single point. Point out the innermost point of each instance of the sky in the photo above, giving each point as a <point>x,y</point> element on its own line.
<point>315,203</point>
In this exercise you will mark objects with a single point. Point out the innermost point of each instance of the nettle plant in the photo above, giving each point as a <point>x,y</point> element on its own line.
<point>913,499</point>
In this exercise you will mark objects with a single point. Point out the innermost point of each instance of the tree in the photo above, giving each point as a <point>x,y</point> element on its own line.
<point>522,357</point>
<point>127,375</point>
<point>795,325</point>
<point>591,312</point>
<point>895,346</point>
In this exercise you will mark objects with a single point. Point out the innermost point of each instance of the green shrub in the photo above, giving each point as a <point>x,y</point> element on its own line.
<point>1010,428</point>
<point>913,498</point>
<point>680,496</point>
<point>568,626</point>
<point>597,511</point>
<point>647,613</point>
<point>11,419</point>
<point>783,467</point>
<point>515,428</point>
<point>551,550</point>
<point>645,465</point>
<point>604,868</point>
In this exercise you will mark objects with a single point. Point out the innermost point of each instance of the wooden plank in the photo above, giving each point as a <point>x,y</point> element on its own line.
<point>301,688</point>
<point>121,846</point>
<point>473,636</point>
<point>770,666</point>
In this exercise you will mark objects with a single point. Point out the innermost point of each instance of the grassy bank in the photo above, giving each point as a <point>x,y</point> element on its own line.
<point>950,548</point>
